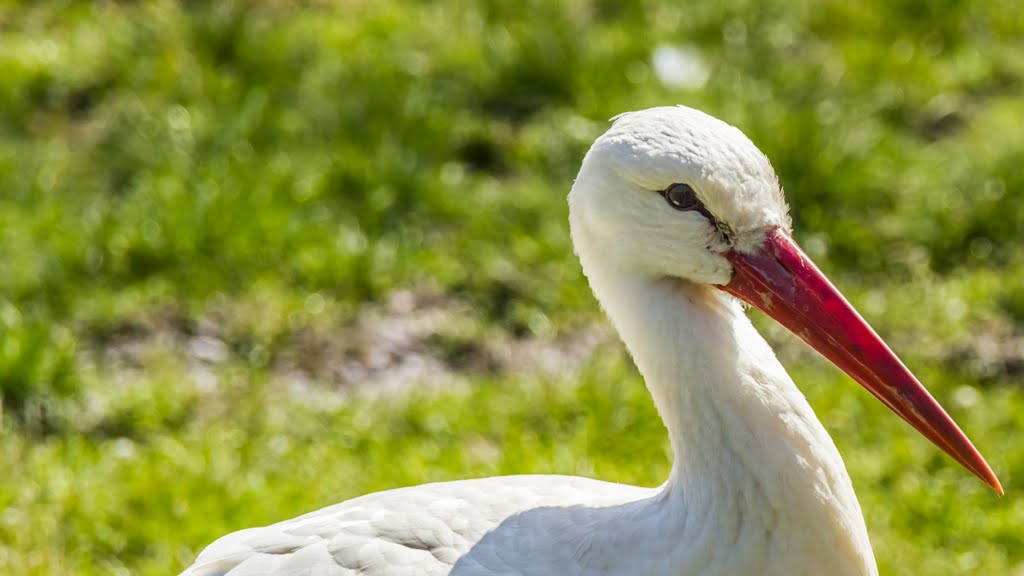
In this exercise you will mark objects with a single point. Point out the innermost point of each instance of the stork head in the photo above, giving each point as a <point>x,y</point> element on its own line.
<point>669,191</point>
<point>674,193</point>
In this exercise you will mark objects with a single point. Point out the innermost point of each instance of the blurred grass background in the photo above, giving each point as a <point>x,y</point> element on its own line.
<point>260,257</point>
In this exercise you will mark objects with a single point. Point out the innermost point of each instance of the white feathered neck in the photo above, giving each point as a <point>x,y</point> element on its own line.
<point>752,465</point>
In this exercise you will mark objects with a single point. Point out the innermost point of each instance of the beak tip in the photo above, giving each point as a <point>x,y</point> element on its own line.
<point>995,484</point>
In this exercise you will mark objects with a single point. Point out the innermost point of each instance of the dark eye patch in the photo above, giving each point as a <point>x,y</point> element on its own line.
<point>683,197</point>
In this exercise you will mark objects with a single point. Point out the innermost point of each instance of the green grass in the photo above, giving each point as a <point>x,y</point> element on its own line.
<point>260,175</point>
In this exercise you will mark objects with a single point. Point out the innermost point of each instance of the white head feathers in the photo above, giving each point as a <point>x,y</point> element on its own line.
<point>618,217</point>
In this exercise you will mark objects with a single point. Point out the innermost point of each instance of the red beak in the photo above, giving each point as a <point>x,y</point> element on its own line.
<point>781,281</point>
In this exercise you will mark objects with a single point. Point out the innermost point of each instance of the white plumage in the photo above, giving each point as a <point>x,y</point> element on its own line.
<point>757,485</point>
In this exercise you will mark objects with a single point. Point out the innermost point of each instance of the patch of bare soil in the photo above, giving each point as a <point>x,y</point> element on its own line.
<point>413,339</point>
<point>423,339</point>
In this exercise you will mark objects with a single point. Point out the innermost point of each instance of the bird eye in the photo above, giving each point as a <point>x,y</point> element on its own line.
<point>681,197</point>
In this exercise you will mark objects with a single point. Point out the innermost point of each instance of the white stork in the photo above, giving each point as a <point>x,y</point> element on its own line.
<point>676,217</point>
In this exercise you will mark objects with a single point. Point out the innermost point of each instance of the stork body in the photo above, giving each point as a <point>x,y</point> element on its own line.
<point>757,485</point>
